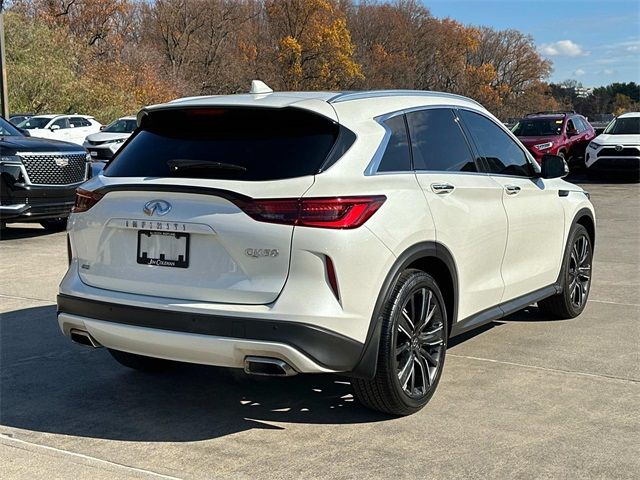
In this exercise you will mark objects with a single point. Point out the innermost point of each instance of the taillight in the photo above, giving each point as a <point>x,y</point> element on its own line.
<point>338,212</point>
<point>85,200</point>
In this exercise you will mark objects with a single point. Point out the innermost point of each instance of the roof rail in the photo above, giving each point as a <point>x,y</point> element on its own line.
<point>347,96</point>
<point>552,112</point>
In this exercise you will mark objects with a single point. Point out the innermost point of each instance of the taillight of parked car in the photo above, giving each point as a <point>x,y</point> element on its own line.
<point>85,200</point>
<point>335,212</point>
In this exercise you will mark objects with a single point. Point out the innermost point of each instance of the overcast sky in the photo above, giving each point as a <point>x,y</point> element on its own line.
<point>596,42</point>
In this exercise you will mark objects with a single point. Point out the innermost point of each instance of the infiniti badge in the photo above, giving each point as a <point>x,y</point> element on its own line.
<point>157,207</point>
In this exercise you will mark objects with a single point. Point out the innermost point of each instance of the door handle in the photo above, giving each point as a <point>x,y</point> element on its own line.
<point>512,189</point>
<point>442,188</point>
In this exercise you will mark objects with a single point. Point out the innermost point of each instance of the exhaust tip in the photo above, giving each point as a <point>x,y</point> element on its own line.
<point>83,338</point>
<point>270,367</point>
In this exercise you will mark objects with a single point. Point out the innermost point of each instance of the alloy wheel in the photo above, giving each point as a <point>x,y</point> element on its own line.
<point>579,271</point>
<point>419,343</point>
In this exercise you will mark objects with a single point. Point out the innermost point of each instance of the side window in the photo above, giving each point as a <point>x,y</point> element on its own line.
<point>571,126</point>
<point>500,152</point>
<point>61,122</point>
<point>79,122</point>
<point>437,143</point>
<point>396,157</point>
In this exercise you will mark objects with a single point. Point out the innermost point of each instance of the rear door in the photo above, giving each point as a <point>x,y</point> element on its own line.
<point>466,206</point>
<point>535,215</point>
<point>195,207</point>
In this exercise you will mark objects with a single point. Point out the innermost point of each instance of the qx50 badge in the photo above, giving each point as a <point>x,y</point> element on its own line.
<point>261,252</point>
<point>156,207</point>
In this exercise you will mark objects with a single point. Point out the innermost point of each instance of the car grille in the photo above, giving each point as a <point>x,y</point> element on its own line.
<point>49,168</point>
<point>625,152</point>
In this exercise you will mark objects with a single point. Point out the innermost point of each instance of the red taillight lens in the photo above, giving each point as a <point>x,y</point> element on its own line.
<point>85,200</point>
<point>339,212</point>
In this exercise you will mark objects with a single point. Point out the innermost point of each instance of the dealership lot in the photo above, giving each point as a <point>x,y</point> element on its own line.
<point>521,398</point>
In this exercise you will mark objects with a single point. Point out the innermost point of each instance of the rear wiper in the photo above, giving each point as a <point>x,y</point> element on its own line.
<point>178,164</point>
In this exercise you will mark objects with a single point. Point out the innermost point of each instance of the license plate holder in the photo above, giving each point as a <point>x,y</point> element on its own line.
<point>164,249</point>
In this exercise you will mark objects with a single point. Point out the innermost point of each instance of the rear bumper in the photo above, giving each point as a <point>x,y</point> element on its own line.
<point>208,339</point>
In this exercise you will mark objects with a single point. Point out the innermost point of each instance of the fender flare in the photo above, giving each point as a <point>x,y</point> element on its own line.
<point>580,214</point>
<point>367,364</point>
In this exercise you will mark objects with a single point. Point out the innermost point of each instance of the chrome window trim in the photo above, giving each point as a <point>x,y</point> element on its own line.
<point>374,164</point>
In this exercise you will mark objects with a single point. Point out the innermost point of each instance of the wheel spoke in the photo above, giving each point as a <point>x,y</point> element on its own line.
<point>428,357</point>
<point>402,348</point>
<point>405,371</point>
<point>405,326</point>
<point>427,310</point>
<point>431,337</point>
<point>424,371</point>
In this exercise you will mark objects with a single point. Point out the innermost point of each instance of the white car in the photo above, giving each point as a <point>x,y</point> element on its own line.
<point>69,128</point>
<point>104,144</point>
<point>617,149</point>
<point>317,232</point>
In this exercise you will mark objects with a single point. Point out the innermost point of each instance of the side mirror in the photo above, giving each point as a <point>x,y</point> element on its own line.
<point>25,132</point>
<point>553,166</point>
<point>572,133</point>
<point>102,127</point>
<point>54,127</point>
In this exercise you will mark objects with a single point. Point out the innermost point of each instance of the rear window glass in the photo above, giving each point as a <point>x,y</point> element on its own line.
<point>227,143</point>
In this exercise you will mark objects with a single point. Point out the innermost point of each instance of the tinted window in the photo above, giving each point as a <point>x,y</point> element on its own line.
<point>79,122</point>
<point>570,126</point>
<point>500,152</point>
<point>396,157</point>
<point>61,122</point>
<point>122,126</point>
<point>35,122</point>
<point>538,127</point>
<point>228,143</point>
<point>437,143</point>
<point>6,129</point>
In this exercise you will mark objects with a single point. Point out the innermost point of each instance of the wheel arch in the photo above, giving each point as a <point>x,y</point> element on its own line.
<point>430,257</point>
<point>585,218</point>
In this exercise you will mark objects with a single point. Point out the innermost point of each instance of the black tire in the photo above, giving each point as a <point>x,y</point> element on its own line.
<point>140,362</point>
<point>54,224</point>
<point>421,352</point>
<point>576,277</point>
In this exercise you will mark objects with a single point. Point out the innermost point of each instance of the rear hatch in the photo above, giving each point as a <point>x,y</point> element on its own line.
<point>179,212</point>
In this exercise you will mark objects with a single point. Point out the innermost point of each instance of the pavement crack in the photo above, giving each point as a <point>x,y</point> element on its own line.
<point>10,438</point>
<point>557,370</point>
<point>16,297</point>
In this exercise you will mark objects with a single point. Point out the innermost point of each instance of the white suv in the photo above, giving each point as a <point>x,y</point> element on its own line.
<point>320,232</point>
<point>69,128</point>
<point>617,150</point>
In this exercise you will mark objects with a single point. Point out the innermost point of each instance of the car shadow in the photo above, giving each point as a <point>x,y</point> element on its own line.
<point>49,384</point>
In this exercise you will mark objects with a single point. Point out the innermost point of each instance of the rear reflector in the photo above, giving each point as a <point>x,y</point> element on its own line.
<point>85,200</point>
<point>331,276</point>
<point>337,212</point>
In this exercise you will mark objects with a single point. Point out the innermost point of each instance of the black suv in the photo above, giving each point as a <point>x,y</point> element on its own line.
<point>38,178</point>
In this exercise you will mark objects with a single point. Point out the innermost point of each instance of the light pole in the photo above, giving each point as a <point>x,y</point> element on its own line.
<point>4,95</point>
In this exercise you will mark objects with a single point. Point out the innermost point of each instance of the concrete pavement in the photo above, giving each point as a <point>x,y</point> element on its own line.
<point>526,397</point>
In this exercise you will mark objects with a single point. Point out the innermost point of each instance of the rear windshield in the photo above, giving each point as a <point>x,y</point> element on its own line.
<point>227,143</point>
<point>538,127</point>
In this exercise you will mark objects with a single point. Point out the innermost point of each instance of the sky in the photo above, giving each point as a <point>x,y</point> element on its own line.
<point>596,42</point>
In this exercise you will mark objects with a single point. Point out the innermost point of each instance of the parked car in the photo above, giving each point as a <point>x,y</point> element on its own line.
<point>617,150</point>
<point>17,118</point>
<point>104,144</point>
<point>566,134</point>
<point>38,178</point>
<point>68,128</point>
<point>317,232</point>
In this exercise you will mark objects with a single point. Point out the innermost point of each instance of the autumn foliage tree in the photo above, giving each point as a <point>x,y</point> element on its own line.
<point>113,56</point>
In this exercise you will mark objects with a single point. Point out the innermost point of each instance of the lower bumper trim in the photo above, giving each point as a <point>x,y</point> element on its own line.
<point>328,349</point>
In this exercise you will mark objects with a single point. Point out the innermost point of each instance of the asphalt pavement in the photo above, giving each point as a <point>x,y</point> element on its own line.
<point>524,397</point>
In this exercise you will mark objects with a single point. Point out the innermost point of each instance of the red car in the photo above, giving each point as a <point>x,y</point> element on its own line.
<point>559,133</point>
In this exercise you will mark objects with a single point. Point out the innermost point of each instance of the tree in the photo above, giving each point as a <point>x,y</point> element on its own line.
<point>313,43</point>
